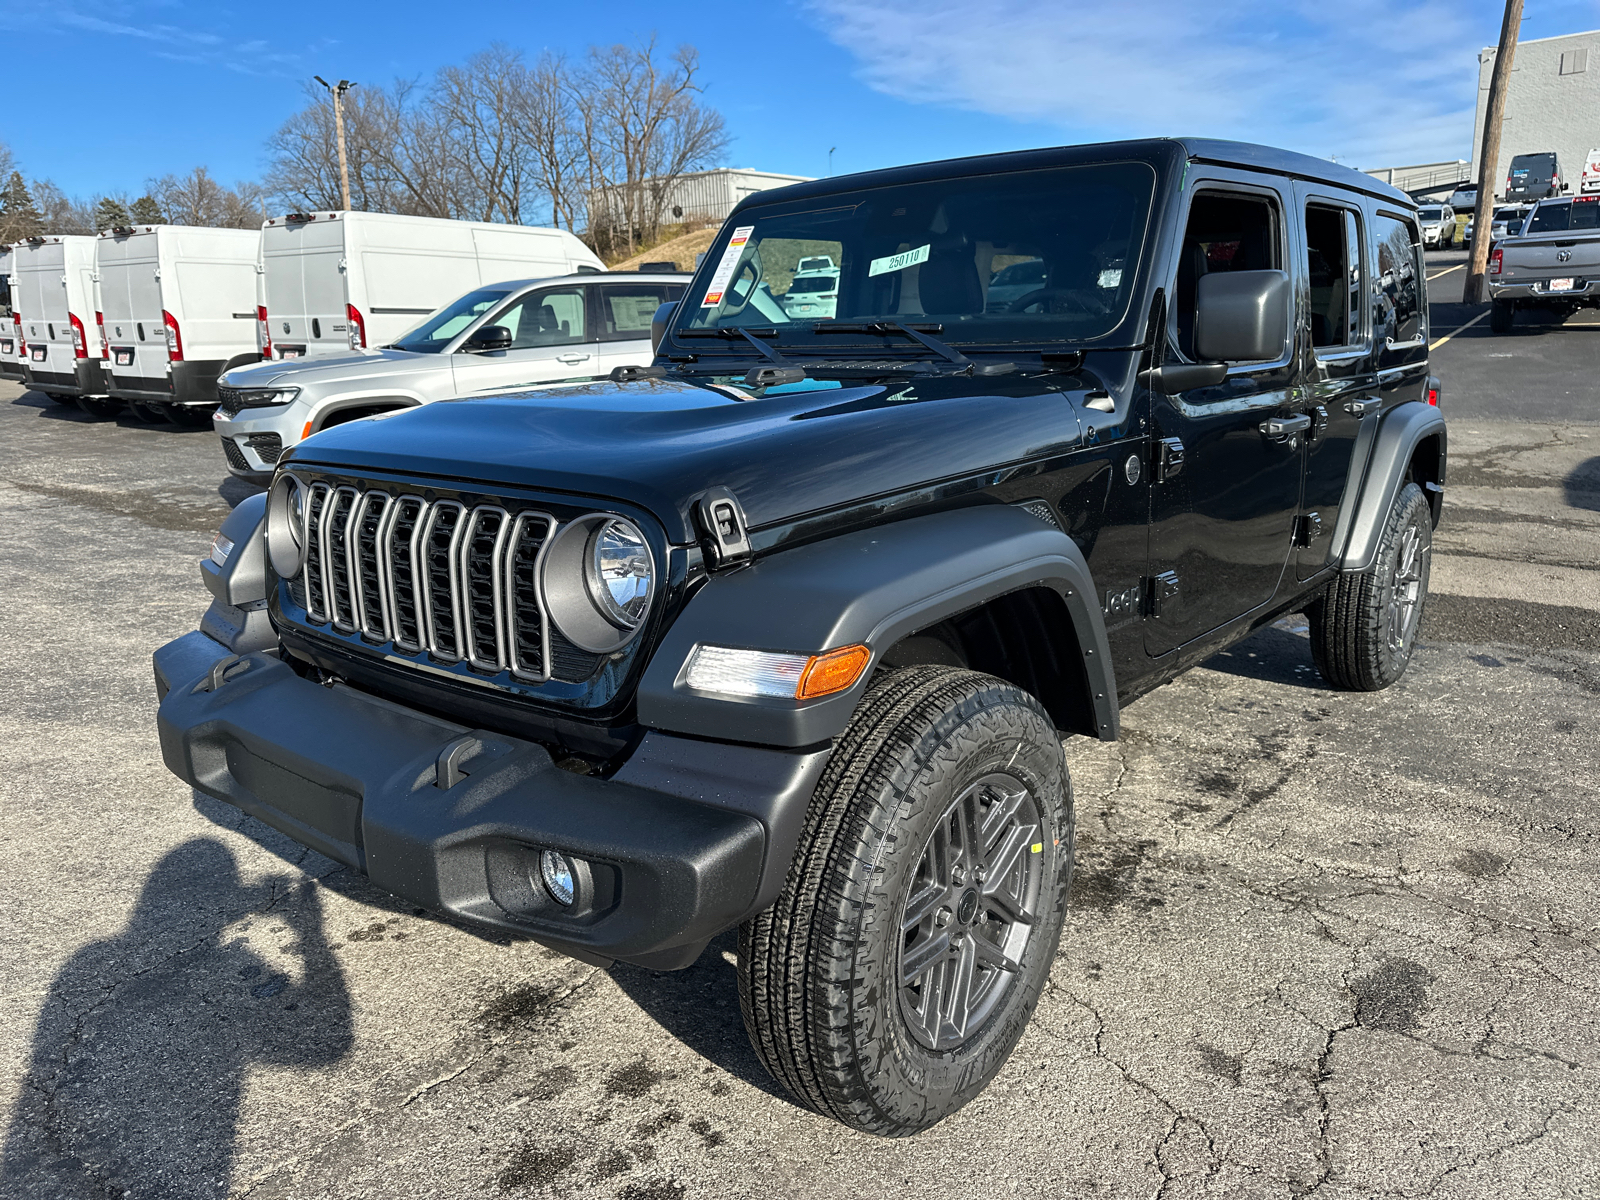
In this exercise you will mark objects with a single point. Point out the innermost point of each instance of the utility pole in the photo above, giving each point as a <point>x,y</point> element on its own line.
<point>337,91</point>
<point>1489,152</point>
<point>831,149</point>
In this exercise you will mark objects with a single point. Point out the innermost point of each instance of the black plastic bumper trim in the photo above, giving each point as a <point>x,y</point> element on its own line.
<point>695,835</point>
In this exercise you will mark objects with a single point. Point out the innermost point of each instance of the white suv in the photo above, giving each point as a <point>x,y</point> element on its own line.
<point>494,338</point>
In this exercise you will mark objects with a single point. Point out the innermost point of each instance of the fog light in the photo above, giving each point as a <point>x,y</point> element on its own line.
<point>557,873</point>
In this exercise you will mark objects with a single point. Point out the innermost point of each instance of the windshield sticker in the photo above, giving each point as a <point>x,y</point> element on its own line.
<point>899,262</point>
<point>724,271</point>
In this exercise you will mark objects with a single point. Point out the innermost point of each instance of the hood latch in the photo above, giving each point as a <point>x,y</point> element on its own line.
<point>724,533</point>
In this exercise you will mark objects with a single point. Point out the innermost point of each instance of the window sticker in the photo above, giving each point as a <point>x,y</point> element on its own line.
<point>724,271</point>
<point>1111,277</point>
<point>899,262</point>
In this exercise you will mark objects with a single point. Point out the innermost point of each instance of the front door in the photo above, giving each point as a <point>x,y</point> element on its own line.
<point>622,320</point>
<point>551,340</point>
<point>1228,459</point>
<point>1342,384</point>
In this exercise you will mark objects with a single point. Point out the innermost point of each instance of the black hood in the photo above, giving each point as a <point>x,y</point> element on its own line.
<point>659,444</point>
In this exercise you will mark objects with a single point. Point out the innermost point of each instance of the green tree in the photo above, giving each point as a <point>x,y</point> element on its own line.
<point>109,214</point>
<point>146,211</point>
<point>18,217</point>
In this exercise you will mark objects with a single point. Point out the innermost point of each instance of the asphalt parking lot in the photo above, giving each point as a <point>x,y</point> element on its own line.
<point>1319,942</point>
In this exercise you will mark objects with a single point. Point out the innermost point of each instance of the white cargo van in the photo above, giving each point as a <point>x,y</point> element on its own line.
<point>10,359</point>
<point>333,282</point>
<point>56,296</point>
<point>177,309</point>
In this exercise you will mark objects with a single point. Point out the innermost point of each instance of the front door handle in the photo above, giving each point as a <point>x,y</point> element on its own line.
<point>1281,429</point>
<point>572,358</point>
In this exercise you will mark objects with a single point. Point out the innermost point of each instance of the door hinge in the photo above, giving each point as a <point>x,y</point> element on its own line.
<point>725,536</point>
<point>1319,424</point>
<point>1307,529</point>
<point>1161,594</point>
<point>1169,459</point>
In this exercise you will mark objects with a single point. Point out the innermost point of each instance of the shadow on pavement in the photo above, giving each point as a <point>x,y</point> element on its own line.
<point>137,1074</point>
<point>233,490</point>
<point>700,1007</point>
<point>1582,486</point>
<point>1273,655</point>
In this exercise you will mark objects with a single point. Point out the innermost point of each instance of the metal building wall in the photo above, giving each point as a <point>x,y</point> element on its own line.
<point>1546,109</point>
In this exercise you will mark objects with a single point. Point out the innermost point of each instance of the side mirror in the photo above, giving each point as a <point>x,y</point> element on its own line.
<point>1242,316</point>
<point>659,323</point>
<point>490,337</point>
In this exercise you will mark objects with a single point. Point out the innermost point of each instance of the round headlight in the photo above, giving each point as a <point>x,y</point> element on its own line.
<point>620,575</point>
<point>286,521</point>
<point>598,581</point>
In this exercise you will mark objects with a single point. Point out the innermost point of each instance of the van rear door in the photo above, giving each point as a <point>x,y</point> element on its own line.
<point>45,324</point>
<point>130,300</point>
<point>304,280</point>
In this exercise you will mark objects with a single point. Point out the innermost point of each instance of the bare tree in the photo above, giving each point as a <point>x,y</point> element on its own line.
<point>479,104</point>
<point>198,199</point>
<point>645,127</point>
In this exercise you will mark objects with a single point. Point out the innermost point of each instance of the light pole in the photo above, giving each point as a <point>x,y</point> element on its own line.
<point>831,149</point>
<point>337,91</point>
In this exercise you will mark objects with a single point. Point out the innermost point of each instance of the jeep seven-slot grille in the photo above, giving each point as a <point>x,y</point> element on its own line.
<point>430,577</point>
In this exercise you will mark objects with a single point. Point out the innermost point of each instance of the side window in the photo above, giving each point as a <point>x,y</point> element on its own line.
<point>626,308</point>
<point>1398,290</point>
<point>553,318</point>
<point>1227,231</point>
<point>1333,257</point>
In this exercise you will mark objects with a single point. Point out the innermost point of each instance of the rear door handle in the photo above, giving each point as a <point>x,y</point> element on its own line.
<point>572,358</point>
<point>1281,429</point>
<point>1363,408</point>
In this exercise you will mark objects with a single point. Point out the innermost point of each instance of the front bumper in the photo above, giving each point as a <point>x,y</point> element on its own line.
<point>259,437</point>
<point>687,839</point>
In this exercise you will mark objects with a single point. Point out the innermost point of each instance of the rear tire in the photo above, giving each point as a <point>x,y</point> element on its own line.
<point>1501,315</point>
<point>101,408</point>
<point>892,978</point>
<point>150,414</point>
<point>1364,627</point>
<point>189,417</point>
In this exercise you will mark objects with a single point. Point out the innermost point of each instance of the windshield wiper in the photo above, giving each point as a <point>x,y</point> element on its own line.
<point>753,336</point>
<point>917,333</point>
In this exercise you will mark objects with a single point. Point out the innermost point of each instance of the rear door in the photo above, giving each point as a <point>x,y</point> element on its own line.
<point>130,297</point>
<point>304,281</point>
<point>622,319</point>
<point>1342,384</point>
<point>46,327</point>
<point>552,339</point>
<point>1399,307</point>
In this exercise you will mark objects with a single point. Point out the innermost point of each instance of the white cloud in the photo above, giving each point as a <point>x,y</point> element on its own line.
<point>1371,82</point>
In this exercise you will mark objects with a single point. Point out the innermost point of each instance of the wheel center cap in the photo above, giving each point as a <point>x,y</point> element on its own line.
<point>968,908</point>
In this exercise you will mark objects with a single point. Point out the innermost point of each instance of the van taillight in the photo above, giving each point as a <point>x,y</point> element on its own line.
<point>22,342</point>
<point>263,332</point>
<point>100,323</point>
<point>80,341</point>
<point>358,327</point>
<point>174,338</point>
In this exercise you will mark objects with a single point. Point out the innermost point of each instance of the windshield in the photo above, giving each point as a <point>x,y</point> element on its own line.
<point>1035,256</point>
<point>1569,214</point>
<point>440,328</point>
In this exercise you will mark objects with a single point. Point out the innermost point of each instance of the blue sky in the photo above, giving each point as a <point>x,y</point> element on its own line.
<point>106,93</point>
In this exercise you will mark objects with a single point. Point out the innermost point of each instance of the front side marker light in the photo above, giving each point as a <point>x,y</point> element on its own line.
<point>732,672</point>
<point>221,547</point>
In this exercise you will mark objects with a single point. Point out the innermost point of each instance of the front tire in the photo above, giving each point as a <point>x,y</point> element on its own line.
<point>1364,628</point>
<point>892,978</point>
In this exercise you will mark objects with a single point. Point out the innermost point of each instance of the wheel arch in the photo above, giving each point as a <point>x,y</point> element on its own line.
<point>344,409</point>
<point>1017,594</point>
<point>1412,443</point>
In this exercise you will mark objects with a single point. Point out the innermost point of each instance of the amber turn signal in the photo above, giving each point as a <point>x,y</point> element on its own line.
<point>832,672</point>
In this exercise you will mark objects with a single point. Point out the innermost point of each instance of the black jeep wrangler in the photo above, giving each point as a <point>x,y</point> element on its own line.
<point>783,631</point>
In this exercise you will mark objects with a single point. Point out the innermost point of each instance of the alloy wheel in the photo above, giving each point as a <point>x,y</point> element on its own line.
<point>1406,588</point>
<point>970,912</point>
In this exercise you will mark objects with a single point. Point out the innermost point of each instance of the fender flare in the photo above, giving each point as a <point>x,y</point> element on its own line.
<point>1402,429</point>
<point>872,587</point>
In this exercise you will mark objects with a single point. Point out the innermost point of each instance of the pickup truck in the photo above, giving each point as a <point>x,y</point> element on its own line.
<point>1554,264</point>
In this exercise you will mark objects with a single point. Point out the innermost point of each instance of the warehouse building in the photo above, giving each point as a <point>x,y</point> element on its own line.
<point>703,198</point>
<point>1552,103</point>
